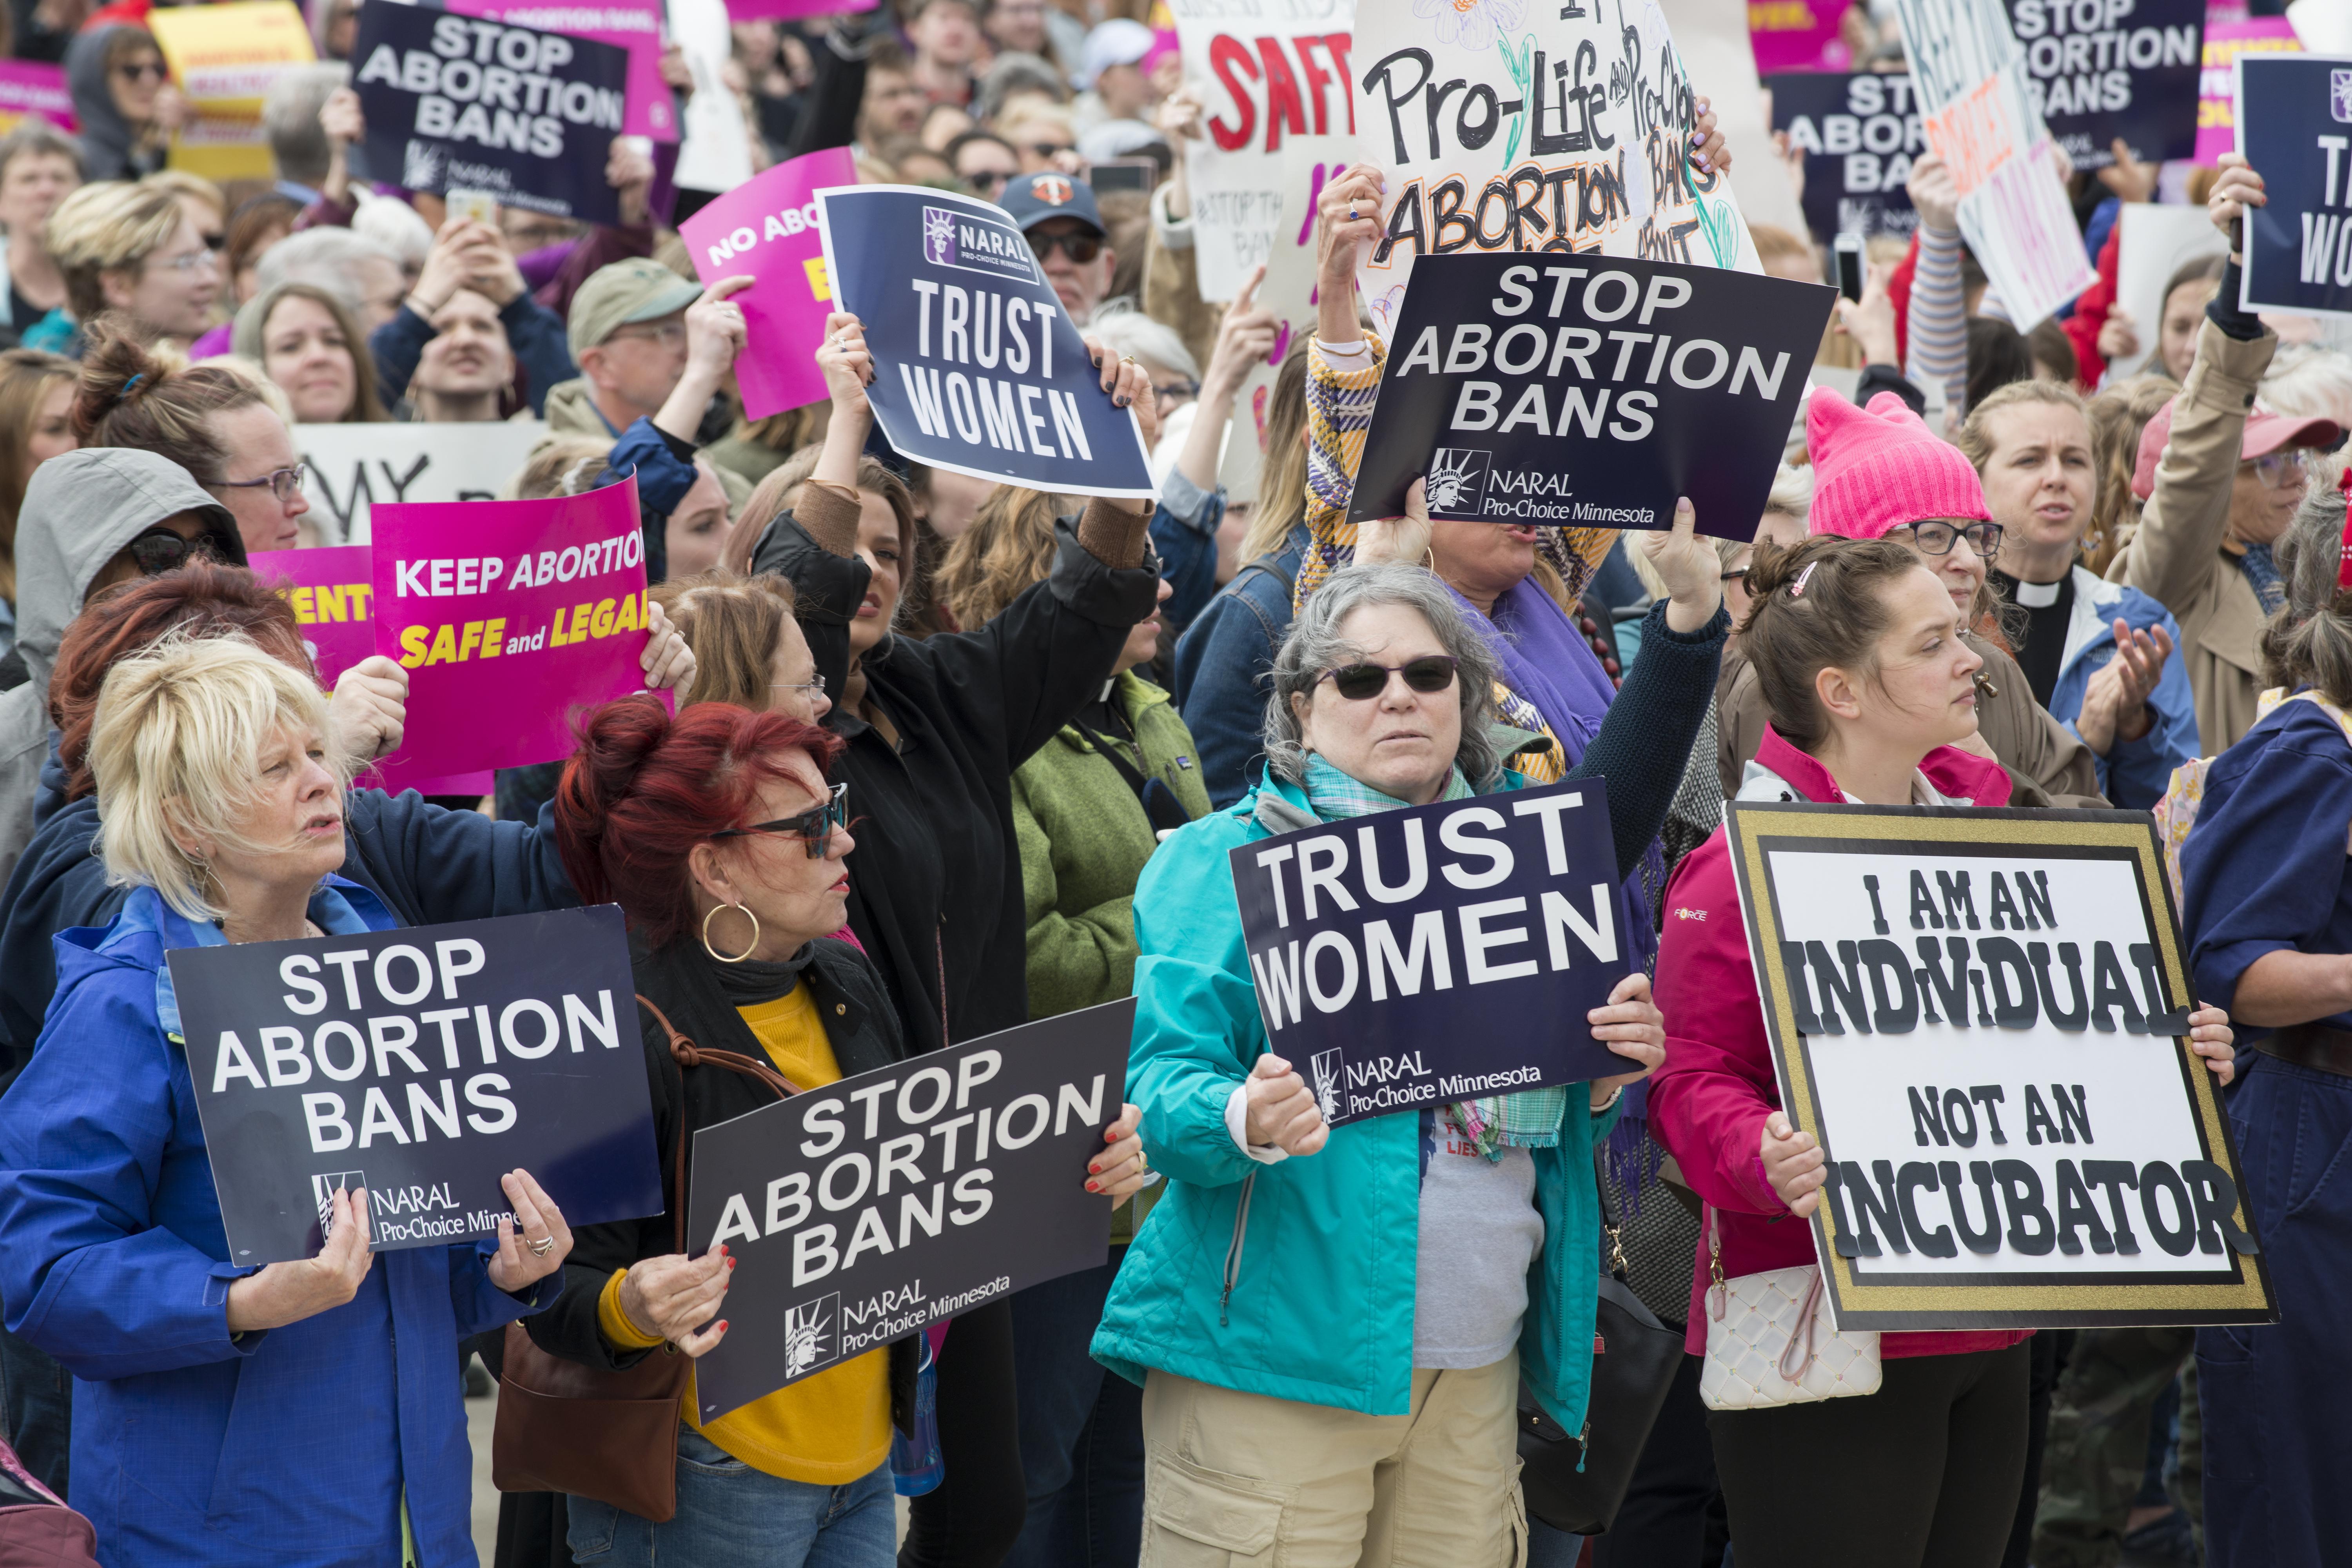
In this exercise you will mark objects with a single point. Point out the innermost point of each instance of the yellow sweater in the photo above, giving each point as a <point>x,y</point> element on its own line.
<point>828,1429</point>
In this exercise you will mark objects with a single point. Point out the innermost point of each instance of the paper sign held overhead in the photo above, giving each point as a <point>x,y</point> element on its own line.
<point>225,60</point>
<point>769,230</point>
<point>1289,291</point>
<point>2104,69</point>
<point>1860,135</point>
<point>632,24</point>
<point>28,87</point>
<point>2216,86</point>
<point>2295,126</point>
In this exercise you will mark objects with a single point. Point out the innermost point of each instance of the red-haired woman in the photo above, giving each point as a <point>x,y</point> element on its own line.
<point>718,834</point>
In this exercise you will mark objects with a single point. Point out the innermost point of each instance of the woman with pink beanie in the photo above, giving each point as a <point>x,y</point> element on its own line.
<point>1880,473</point>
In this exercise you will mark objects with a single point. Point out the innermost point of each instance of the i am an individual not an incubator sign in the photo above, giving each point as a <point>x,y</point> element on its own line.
<point>1982,1015</point>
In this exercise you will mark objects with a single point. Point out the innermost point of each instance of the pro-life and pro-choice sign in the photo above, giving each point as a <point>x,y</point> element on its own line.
<point>1981,1015</point>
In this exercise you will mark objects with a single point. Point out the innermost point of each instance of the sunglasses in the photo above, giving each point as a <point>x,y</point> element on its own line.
<point>1361,682</point>
<point>284,483</point>
<point>1938,538</point>
<point>1081,248</point>
<point>159,550</point>
<point>151,70</point>
<point>1051,149</point>
<point>816,827</point>
<point>988,180</point>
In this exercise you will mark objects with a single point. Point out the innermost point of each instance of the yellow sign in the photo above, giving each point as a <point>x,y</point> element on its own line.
<point>224,60</point>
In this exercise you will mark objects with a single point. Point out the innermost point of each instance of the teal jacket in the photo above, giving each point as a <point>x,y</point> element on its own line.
<point>1296,1280</point>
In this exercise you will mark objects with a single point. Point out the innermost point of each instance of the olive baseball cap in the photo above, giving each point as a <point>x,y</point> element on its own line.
<point>638,289</point>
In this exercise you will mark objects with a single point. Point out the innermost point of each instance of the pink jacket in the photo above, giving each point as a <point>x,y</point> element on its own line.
<point>1708,1102</point>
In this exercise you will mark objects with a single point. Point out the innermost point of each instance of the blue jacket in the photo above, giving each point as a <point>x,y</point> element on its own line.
<point>534,331</point>
<point>1296,1280</point>
<point>1185,536</point>
<point>288,1445</point>
<point>1223,661</point>
<point>2134,774</point>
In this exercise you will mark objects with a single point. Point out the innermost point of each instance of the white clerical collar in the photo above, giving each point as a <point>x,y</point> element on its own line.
<point>2039,596</point>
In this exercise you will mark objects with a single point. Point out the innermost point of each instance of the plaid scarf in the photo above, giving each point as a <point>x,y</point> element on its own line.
<point>1529,1119</point>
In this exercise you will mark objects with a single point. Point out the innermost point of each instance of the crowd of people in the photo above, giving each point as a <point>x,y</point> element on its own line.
<point>936,757</point>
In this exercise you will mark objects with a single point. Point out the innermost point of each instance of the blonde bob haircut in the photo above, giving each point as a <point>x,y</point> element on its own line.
<point>112,226</point>
<point>174,749</point>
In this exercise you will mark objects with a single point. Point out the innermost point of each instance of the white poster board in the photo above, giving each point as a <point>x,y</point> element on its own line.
<point>1310,163</point>
<point>1267,71</point>
<point>1977,107</point>
<point>2157,241</point>
<point>353,467</point>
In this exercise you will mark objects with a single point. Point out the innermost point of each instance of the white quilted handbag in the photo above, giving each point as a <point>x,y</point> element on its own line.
<point>1770,1339</point>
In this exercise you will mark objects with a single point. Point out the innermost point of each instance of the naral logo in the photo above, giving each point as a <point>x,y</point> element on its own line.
<point>938,237</point>
<point>971,243</point>
<point>323,1189</point>
<point>811,1334</point>
<point>1457,480</point>
<point>1326,1067</point>
<point>2339,95</point>
<point>421,167</point>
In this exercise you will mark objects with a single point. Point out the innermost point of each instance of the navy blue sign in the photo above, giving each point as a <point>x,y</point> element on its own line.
<point>977,367</point>
<point>1438,952</point>
<point>1860,134</point>
<point>2098,69</point>
<point>464,103</point>
<point>904,1195</point>
<point>1590,390</point>
<point>2295,125</point>
<point>422,1065</point>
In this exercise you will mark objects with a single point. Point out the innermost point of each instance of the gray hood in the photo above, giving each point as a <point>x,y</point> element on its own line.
<point>79,509</point>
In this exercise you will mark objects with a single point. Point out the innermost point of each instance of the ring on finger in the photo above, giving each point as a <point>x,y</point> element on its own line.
<point>542,1246</point>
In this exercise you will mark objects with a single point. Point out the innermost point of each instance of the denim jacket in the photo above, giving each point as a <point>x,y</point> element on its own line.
<point>1223,661</point>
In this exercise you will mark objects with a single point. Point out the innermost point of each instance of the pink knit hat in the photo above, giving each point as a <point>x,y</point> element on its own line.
<point>1881,467</point>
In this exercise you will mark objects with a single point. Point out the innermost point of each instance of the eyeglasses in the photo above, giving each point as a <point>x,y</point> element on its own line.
<point>1430,673</point>
<point>159,550</point>
<point>284,483</point>
<point>148,70</point>
<point>1737,574</point>
<point>2278,468</point>
<point>216,242</point>
<point>1081,248</point>
<point>986,180</point>
<point>814,688</point>
<point>669,334</point>
<point>817,826</point>
<point>1050,150</point>
<point>1174,391</point>
<point>1938,538</point>
<point>191,260</point>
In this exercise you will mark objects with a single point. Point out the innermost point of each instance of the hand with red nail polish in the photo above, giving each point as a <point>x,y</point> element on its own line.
<point>675,1296</point>
<point>1120,1169</point>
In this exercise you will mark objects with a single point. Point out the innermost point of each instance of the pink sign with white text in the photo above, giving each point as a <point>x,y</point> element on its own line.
<point>329,591</point>
<point>767,230</point>
<point>510,616</point>
<point>632,24</point>
<point>2217,104</point>
<point>29,88</point>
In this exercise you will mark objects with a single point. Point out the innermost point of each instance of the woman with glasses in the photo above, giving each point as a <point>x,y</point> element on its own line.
<point>2103,658</point>
<point>1880,473</point>
<point>123,96</point>
<point>749,649</point>
<point>134,249</point>
<point>985,162</point>
<point>721,838</point>
<point>205,418</point>
<point>2222,479</point>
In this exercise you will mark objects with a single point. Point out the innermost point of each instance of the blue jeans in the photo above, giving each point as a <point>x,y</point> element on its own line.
<point>2276,1426</point>
<point>1081,1431</point>
<point>733,1516</point>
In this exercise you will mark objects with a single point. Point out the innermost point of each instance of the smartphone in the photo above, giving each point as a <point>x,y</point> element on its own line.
<point>1846,250</point>
<point>472,206</point>
<point>1138,175</point>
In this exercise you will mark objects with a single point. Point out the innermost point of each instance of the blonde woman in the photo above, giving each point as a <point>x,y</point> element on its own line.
<point>305,1411</point>
<point>747,647</point>
<point>135,248</point>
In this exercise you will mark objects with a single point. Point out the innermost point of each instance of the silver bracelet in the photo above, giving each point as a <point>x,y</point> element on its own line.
<point>1614,1096</point>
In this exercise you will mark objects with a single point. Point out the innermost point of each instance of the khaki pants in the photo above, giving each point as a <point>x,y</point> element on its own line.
<point>1245,1481</point>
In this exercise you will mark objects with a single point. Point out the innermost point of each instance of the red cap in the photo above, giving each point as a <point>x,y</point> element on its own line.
<point>2266,433</point>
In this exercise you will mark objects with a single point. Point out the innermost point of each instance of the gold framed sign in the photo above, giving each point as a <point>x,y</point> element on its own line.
<point>1982,1015</point>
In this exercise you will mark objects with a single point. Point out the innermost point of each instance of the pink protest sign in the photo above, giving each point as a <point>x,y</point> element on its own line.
<point>632,24</point>
<point>509,617</point>
<point>786,10</point>
<point>768,230</point>
<point>2217,121</point>
<point>27,88</point>
<point>330,593</point>
<point>1798,35</point>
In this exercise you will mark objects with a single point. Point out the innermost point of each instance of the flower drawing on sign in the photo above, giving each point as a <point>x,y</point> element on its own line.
<point>1471,24</point>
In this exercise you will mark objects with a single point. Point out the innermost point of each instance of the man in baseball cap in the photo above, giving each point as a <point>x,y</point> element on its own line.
<point>627,333</point>
<point>1057,212</point>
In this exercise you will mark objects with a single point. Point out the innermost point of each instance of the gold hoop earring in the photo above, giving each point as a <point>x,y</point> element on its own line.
<point>719,956</point>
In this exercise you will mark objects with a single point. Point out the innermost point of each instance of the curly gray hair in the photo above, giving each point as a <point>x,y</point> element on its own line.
<point>1315,645</point>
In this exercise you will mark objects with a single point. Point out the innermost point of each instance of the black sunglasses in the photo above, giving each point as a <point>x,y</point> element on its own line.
<point>159,550</point>
<point>816,826</point>
<point>1081,248</point>
<point>1361,682</point>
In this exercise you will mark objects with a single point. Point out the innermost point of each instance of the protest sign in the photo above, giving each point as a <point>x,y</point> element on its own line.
<point>1860,134</point>
<point>2104,68</point>
<point>2157,242</point>
<point>769,231</point>
<point>2295,126</point>
<point>28,87</point>
<point>631,24</point>
<point>1975,98</point>
<point>225,59</point>
<point>1310,163</point>
<point>1798,35</point>
<point>1596,99</point>
<point>465,103</point>
<point>353,467</point>
<point>330,589</point>
<point>1536,392</point>
<point>942,280</point>
<point>2216,86</point>
<point>421,1064</point>
<point>790,10</point>
<point>1266,70</point>
<point>904,1195</point>
<point>1401,973</point>
<point>508,616</point>
<point>1712,46</point>
<point>1981,1015</point>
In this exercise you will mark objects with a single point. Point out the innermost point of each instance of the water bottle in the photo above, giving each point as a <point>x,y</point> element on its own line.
<point>916,1465</point>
